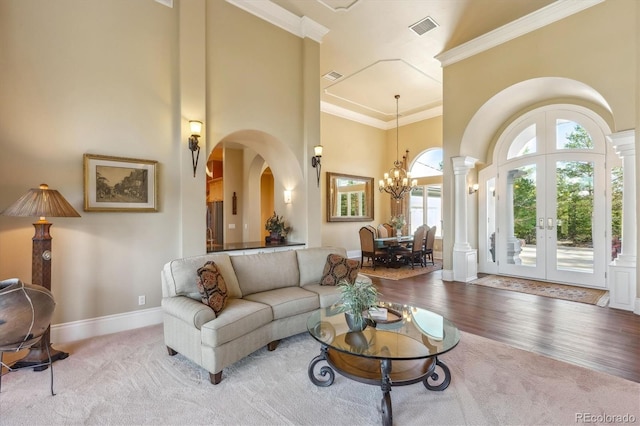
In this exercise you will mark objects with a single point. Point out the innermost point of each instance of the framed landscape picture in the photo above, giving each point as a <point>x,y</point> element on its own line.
<point>119,184</point>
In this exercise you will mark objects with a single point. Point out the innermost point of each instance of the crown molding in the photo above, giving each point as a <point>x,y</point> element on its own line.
<point>302,27</point>
<point>556,11</point>
<point>347,114</point>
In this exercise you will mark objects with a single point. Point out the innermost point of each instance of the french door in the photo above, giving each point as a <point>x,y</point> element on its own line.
<point>544,210</point>
<point>552,218</point>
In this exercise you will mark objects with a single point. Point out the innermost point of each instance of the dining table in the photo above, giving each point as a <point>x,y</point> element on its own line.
<point>393,244</point>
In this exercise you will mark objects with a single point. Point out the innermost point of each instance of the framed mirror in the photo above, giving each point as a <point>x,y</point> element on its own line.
<point>349,198</point>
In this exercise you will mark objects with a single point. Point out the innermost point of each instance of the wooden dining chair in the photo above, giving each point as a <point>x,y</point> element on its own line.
<point>428,246</point>
<point>369,250</point>
<point>372,229</point>
<point>415,253</point>
<point>382,232</point>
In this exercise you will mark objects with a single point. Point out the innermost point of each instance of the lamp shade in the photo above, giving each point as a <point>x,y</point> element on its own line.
<point>196,127</point>
<point>41,202</point>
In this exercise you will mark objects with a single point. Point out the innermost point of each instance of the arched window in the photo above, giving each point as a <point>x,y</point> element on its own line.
<point>425,206</point>
<point>429,163</point>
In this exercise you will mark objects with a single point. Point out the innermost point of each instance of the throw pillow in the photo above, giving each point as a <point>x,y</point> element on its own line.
<point>338,268</point>
<point>212,287</point>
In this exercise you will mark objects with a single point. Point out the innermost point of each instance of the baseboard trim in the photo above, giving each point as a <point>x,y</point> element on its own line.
<point>447,275</point>
<point>84,329</point>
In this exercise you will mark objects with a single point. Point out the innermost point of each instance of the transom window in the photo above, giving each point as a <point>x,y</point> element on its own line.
<point>429,163</point>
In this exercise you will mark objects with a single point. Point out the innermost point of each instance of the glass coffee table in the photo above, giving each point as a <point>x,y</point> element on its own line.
<point>401,349</point>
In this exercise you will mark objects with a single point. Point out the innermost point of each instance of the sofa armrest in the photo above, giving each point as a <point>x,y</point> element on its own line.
<point>188,310</point>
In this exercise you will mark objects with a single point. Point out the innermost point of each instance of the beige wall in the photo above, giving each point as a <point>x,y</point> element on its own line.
<point>597,48</point>
<point>256,99</point>
<point>361,150</point>
<point>89,77</point>
<point>123,78</point>
<point>354,149</point>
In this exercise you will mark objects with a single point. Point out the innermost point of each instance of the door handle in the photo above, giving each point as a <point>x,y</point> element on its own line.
<point>549,223</point>
<point>541,223</point>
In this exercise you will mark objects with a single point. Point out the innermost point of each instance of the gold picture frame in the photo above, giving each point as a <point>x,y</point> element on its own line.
<point>118,184</point>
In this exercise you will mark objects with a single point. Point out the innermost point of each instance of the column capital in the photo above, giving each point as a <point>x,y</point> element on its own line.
<point>623,142</point>
<point>461,165</point>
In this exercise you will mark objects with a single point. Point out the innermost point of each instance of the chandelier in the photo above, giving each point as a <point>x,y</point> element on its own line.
<point>396,182</point>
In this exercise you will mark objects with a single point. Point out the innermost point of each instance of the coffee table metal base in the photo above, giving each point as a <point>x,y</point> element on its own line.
<point>432,372</point>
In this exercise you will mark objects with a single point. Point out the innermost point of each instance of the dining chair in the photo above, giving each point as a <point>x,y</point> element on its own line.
<point>372,229</point>
<point>369,250</point>
<point>428,246</point>
<point>414,254</point>
<point>390,231</point>
<point>382,231</point>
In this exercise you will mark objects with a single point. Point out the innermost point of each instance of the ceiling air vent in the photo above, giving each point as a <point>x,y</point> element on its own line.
<point>332,75</point>
<point>424,25</point>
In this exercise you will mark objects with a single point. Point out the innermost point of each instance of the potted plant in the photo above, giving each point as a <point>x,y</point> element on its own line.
<point>355,301</point>
<point>278,230</point>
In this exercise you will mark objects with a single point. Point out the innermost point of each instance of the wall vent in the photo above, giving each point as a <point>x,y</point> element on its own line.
<point>424,25</point>
<point>332,75</point>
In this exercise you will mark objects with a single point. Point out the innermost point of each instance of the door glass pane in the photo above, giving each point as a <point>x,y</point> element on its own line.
<point>616,211</point>
<point>524,143</point>
<point>571,135</point>
<point>574,216</point>
<point>521,209</point>
<point>491,219</point>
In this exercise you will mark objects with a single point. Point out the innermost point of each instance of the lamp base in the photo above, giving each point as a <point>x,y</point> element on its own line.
<point>38,358</point>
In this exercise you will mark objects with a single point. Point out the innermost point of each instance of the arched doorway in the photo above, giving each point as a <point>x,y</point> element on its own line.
<point>546,208</point>
<point>256,167</point>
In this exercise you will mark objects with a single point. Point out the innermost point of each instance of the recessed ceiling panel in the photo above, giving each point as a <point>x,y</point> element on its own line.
<point>374,88</point>
<point>339,5</point>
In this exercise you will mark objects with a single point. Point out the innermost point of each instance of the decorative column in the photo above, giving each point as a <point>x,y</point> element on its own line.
<point>465,259</point>
<point>622,271</point>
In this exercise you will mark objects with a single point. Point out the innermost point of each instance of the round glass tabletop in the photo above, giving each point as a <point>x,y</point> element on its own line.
<point>404,333</point>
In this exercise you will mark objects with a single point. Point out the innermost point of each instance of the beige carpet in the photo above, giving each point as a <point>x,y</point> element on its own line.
<point>403,272</point>
<point>540,288</point>
<point>128,379</point>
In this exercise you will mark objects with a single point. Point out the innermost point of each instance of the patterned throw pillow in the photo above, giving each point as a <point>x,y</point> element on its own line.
<point>212,287</point>
<point>338,268</point>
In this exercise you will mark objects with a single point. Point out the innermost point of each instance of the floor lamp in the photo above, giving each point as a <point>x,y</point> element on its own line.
<point>41,202</point>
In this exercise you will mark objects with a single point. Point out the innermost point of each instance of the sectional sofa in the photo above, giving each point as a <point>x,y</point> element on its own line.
<point>270,297</point>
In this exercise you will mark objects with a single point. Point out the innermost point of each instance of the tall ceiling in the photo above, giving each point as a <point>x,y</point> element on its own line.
<point>370,44</point>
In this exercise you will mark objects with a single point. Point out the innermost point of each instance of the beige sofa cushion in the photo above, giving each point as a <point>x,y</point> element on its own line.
<point>326,293</point>
<point>179,276</point>
<point>287,302</point>
<point>311,262</point>
<point>240,317</point>
<point>266,271</point>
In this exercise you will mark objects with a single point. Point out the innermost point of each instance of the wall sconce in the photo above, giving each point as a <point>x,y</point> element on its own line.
<point>315,161</point>
<point>287,197</point>
<point>196,128</point>
<point>473,188</point>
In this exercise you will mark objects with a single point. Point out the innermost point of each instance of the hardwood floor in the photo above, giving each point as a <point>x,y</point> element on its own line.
<point>602,339</point>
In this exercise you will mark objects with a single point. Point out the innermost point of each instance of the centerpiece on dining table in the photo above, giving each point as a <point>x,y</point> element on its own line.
<point>398,222</point>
